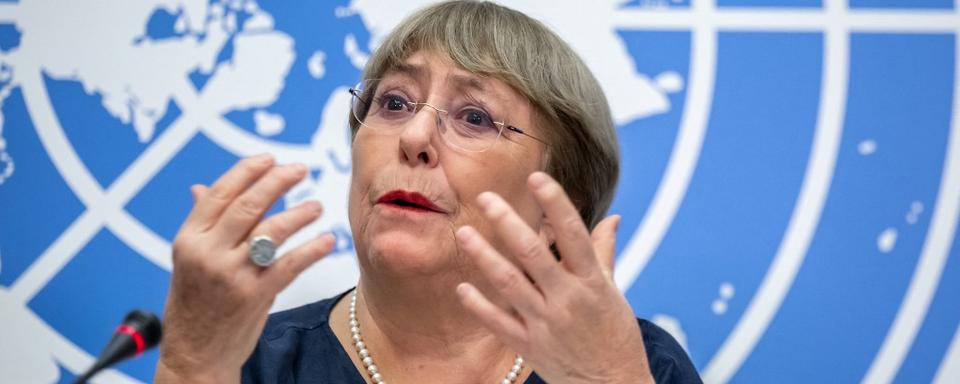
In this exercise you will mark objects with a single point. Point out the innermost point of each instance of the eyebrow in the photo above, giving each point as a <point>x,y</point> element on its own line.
<point>481,85</point>
<point>419,72</point>
<point>466,82</point>
<point>459,81</point>
<point>414,71</point>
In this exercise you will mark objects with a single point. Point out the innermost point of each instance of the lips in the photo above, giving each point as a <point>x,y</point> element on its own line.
<point>409,201</point>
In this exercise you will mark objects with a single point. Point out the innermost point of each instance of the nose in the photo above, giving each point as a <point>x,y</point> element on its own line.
<point>416,140</point>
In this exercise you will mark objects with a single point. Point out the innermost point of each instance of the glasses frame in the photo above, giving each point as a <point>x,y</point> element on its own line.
<point>357,93</point>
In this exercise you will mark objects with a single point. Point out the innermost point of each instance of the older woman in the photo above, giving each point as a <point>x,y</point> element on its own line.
<point>483,151</point>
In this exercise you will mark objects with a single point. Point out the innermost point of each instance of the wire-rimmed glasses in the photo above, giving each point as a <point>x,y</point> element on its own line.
<point>386,105</point>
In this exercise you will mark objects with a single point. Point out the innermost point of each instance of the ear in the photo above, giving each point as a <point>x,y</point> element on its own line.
<point>197,191</point>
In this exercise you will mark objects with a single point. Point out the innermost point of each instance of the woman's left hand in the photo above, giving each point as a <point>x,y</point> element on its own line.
<point>568,319</point>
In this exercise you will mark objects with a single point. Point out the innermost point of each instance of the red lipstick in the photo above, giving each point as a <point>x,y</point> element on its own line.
<point>408,200</point>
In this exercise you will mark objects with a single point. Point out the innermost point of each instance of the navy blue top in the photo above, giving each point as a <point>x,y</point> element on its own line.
<point>298,346</point>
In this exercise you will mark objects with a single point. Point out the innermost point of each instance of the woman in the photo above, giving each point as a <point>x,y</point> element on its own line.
<point>483,151</point>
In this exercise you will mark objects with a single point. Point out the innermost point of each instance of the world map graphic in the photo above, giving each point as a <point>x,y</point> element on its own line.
<point>790,184</point>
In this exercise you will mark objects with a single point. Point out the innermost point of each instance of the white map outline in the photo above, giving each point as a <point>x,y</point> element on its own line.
<point>683,157</point>
<point>103,209</point>
<point>933,257</point>
<point>793,248</point>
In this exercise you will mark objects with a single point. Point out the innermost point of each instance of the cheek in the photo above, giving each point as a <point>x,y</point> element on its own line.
<point>370,153</point>
<point>508,181</point>
<point>354,204</point>
<point>366,160</point>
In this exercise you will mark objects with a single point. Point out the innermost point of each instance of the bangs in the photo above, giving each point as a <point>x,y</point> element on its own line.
<point>481,38</point>
<point>569,107</point>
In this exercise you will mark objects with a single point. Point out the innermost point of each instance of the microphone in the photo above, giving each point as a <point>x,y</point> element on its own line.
<point>139,332</point>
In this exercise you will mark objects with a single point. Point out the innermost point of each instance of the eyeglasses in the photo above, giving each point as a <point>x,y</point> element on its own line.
<point>384,106</point>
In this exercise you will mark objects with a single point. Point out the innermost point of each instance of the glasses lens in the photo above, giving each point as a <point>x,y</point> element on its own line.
<point>361,99</point>
<point>470,129</point>
<point>384,105</point>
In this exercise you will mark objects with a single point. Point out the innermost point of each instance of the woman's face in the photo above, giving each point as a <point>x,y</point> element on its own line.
<point>411,189</point>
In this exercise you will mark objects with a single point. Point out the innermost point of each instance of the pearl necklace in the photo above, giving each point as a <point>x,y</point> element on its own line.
<point>372,369</point>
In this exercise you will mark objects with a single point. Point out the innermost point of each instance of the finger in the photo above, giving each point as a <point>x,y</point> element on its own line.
<point>604,238</point>
<point>281,226</point>
<point>573,240</point>
<point>279,275</point>
<point>498,321</point>
<point>210,202</point>
<point>523,243</point>
<point>247,209</point>
<point>504,276</point>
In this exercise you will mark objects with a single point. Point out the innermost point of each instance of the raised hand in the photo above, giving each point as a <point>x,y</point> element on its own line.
<point>219,300</point>
<point>567,320</point>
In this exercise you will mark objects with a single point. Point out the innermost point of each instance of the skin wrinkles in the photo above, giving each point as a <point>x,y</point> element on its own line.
<point>442,296</point>
<point>422,74</point>
<point>473,88</point>
<point>506,153</point>
<point>414,258</point>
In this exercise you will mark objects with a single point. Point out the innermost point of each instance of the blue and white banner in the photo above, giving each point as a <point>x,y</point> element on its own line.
<point>790,186</point>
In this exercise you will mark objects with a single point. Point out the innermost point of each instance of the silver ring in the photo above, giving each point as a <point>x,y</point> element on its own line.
<point>262,250</point>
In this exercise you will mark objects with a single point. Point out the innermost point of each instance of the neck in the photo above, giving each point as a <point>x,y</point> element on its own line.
<point>417,330</point>
<point>421,316</point>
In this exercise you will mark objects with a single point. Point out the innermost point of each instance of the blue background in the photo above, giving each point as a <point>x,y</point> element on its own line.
<point>762,120</point>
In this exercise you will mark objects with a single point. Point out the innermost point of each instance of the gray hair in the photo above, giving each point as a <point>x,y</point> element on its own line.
<point>571,111</point>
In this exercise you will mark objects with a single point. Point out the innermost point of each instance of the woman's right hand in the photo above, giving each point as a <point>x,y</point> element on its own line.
<point>219,300</point>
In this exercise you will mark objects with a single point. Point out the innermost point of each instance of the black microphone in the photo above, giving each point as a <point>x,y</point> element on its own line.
<point>139,332</point>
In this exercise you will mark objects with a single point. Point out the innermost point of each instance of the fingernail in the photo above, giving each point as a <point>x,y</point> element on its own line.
<point>538,179</point>
<point>465,233</point>
<point>298,168</point>
<point>463,289</point>
<point>263,157</point>
<point>313,205</point>
<point>330,238</point>
<point>485,199</point>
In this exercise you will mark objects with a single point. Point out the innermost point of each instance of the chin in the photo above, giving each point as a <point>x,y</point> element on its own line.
<point>408,253</point>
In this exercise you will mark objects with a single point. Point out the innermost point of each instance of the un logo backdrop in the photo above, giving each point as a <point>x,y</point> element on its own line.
<point>790,188</point>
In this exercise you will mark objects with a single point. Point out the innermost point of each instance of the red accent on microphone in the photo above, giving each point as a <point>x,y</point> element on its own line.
<point>123,328</point>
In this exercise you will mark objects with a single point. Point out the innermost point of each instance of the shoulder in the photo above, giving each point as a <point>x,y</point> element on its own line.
<point>669,363</point>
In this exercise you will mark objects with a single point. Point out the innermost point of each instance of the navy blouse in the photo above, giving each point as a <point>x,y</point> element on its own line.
<point>298,346</point>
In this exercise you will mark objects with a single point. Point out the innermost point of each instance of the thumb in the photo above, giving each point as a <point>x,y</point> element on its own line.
<point>604,238</point>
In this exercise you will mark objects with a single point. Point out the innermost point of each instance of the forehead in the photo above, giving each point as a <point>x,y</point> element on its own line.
<point>427,67</point>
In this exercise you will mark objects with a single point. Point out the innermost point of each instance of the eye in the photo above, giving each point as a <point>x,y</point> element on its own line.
<point>476,117</point>
<point>393,103</point>
<point>474,123</point>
